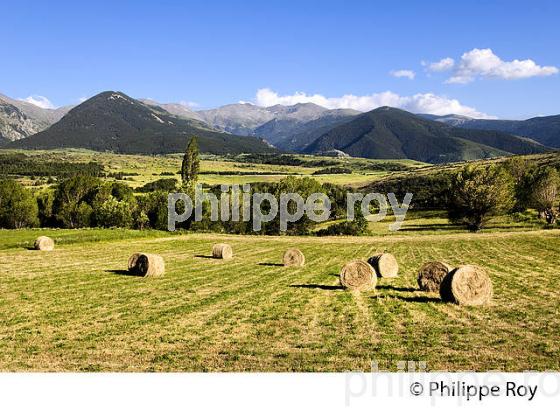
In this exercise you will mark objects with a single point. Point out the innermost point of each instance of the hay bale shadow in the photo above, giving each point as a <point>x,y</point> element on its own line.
<point>414,299</point>
<point>420,299</point>
<point>123,272</point>
<point>270,264</point>
<point>317,286</point>
<point>204,256</point>
<point>397,288</point>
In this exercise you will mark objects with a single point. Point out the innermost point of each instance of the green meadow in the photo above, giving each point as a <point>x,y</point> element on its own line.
<point>77,308</point>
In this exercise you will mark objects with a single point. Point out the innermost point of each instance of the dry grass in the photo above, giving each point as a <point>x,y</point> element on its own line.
<point>76,309</point>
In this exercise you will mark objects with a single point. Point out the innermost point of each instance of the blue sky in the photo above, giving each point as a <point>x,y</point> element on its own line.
<point>217,52</point>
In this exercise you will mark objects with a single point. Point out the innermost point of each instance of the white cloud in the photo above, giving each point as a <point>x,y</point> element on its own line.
<point>427,103</point>
<point>442,65</point>
<point>39,101</point>
<point>403,74</point>
<point>483,63</point>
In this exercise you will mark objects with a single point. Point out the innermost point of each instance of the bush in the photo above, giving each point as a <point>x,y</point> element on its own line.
<point>347,228</point>
<point>478,193</point>
<point>73,199</point>
<point>333,170</point>
<point>18,207</point>
<point>429,191</point>
<point>357,227</point>
<point>154,207</point>
<point>164,184</point>
<point>114,213</point>
<point>45,201</point>
<point>122,192</point>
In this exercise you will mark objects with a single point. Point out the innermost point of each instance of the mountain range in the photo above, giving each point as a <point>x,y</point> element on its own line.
<point>545,130</point>
<point>113,121</point>
<point>390,133</point>
<point>274,123</point>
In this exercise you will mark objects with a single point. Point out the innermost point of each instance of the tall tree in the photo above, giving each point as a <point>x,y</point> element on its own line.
<point>478,193</point>
<point>18,207</point>
<point>521,171</point>
<point>190,165</point>
<point>544,192</point>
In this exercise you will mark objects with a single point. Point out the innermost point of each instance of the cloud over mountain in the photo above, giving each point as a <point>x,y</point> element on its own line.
<point>427,103</point>
<point>39,101</point>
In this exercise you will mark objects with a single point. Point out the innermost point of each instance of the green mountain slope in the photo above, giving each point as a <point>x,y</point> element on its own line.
<point>392,133</point>
<point>306,133</point>
<point>545,130</point>
<point>112,121</point>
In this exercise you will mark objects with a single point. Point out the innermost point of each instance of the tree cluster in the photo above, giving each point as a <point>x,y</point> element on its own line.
<point>478,193</point>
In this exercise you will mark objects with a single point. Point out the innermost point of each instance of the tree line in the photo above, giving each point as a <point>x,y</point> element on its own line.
<point>21,164</point>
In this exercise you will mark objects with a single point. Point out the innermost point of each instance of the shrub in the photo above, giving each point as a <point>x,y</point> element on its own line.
<point>18,208</point>
<point>73,199</point>
<point>114,213</point>
<point>348,228</point>
<point>544,192</point>
<point>45,201</point>
<point>164,184</point>
<point>333,170</point>
<point>429,191</point>
<point>154,206</point>
<point>477,193</point>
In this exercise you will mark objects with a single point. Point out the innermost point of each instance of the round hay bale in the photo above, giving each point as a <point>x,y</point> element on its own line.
<point>358,275</point>
<point>222,251</point>
<point>385,265</point>
<point>44,243</point>
<point>132,260</point>
<point>467,285</point>
<point>146,264</point>
<point>431,275</point>
<point>294,257</point>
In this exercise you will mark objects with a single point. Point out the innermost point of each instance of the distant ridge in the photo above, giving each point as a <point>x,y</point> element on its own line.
<point>545,130</point>
<point>20,119</point>
<point>113,121</point>
<point>274,123</point>
<point>390,133</point>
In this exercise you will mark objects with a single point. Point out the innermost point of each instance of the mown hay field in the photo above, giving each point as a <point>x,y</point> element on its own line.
<point>76,309</point>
